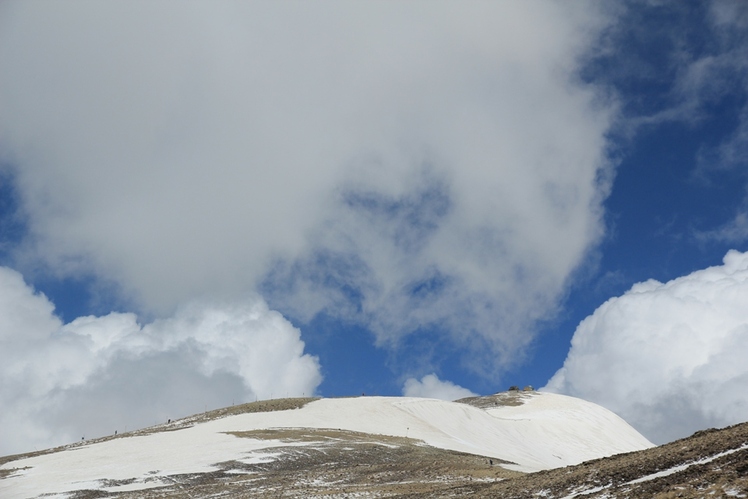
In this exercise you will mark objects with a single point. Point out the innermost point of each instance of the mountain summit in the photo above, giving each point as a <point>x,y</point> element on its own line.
<point>241,447</point>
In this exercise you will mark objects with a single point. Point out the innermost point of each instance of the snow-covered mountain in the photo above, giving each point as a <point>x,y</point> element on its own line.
<point>494,436</point>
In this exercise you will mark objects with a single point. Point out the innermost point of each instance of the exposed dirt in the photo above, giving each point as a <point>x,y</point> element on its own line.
<point>510,398</point>
<point>260,406</point>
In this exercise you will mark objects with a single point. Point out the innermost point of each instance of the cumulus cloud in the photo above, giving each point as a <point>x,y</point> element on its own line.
<point>406,165</point>
<point>430,386</point>
<point>92,376</point>
<point>668,357</point>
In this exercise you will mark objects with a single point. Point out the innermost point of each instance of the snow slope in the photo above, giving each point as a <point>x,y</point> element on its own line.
<point>546,431</point>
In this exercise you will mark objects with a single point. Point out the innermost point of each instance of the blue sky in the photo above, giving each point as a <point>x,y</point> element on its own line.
<point>233,201</point>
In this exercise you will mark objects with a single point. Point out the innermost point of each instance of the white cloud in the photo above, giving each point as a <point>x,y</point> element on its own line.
<point>430,386</point>
<point>99,374</point>
<point>410,165</point>
<point>669,358</point>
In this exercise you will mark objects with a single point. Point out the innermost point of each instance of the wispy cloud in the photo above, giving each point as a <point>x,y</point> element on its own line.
<point>733,232</point>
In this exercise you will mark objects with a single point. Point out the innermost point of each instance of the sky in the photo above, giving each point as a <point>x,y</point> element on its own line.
<point>209,203</point>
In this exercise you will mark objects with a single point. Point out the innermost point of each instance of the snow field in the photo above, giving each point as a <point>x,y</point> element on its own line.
<point>548,431</point>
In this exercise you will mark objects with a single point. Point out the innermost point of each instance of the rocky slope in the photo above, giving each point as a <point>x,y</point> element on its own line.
<point>712,463</point>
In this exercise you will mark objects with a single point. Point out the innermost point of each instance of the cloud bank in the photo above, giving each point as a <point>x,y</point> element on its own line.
<point>667,357</point>
<point>409,166</point>
<point>94,375</point>
<point>430,386</point>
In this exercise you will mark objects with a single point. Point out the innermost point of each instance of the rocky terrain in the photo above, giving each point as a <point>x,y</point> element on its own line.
<point>341,463</point>
<point>711,463</point>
